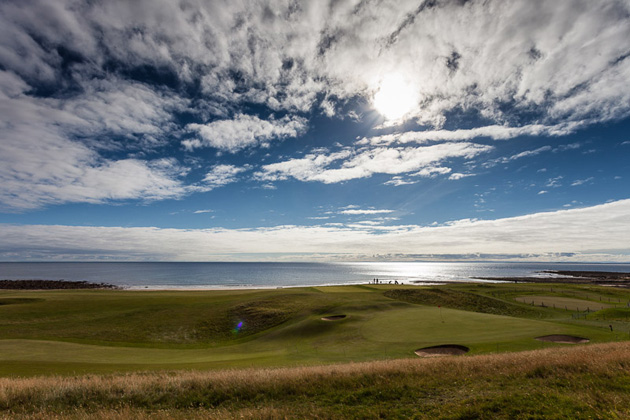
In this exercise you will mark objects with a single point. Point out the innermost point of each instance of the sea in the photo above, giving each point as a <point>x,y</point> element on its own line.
<point>217,275</point>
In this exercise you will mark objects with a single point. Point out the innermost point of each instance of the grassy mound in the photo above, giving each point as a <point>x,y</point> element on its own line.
<point>264,314</point>
<point>463,300</point>
<point>155,318</point>
<point>612,314</point>
<point>560,302</point>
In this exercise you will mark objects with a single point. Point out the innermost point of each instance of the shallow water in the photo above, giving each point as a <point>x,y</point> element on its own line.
<point>173,275</point>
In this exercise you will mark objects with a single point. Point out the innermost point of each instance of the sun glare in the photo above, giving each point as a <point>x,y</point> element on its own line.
<point>395,97</point>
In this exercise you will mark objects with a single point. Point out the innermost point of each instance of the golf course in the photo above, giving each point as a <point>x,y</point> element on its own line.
<point>64,335</point>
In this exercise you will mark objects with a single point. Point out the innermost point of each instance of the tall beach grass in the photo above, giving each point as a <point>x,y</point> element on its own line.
<point>591,381</point>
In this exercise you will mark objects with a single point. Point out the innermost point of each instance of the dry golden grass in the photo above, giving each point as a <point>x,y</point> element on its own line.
<point>558,377</point>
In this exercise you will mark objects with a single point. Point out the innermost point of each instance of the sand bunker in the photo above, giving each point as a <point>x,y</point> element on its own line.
<point>333,317</point>
<point>443,350</point>
<point>565,339</point>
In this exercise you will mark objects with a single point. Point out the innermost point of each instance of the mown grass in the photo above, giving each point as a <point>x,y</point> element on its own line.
<point>582,382</point>
<point>71,332</point>
<point>122,354</point>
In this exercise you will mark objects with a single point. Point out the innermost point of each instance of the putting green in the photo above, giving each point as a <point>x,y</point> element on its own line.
<point>432,324</point>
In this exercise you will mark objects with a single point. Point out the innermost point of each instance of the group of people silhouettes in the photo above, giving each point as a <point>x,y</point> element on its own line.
<point>377,281</point>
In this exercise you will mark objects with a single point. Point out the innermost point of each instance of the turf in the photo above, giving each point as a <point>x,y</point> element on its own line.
<point>78,331</point>
<point>432,326</point>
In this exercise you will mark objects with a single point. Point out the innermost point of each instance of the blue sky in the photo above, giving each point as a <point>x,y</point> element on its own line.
<point>317,131</point>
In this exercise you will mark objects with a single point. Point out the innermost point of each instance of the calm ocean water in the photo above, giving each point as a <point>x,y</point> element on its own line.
<point>171,275</point>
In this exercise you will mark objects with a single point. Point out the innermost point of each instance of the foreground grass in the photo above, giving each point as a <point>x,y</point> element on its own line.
<point>591,381</point>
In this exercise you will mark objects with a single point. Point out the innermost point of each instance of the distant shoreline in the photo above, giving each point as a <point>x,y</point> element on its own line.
<point>52,285</point>
<point>601,278</point>
<point>560,276</point>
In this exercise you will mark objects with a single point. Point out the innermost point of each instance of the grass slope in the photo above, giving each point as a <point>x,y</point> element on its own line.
<point>582,382</point>
<point>98,331</point>
<point>571,304</point>
<point>461,299</point>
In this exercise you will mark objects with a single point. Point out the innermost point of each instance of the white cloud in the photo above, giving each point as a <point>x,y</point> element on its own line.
<point>141,117</point>
<point>203,211</point>
<point>554,182</point>
<point>581,181</point>
<point>221,175</point>
<point>303,169</point>
<point>597,232</point>
<point>564,61</point>
<point>116,75</point>
<point>244,131</point>
<point>40,164</point>
<point>534,56</point>
<point>398,181</point>
<point>565,147</point>
<point>369,223</point>
<point>432,172</point>
<point>368,162</point>
<point>457,176</point>
<point>365,211</point>
<point>495,132</point>
<point>527,153</point>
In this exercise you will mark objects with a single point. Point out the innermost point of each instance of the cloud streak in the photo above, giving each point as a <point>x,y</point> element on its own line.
<point>602,228</point>
<point>365,163</point>
<point>365,211</point>
<point>494,132</point>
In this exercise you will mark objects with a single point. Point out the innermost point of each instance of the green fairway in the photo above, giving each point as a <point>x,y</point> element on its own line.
<point>49,332</point>
<point>56,351</point>
<point>432,325</point>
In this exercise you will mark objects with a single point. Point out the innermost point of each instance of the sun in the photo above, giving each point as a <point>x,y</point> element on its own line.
<point>395,97</point>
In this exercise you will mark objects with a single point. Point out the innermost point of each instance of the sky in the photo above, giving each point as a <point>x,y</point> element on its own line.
<point>339,130</point>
